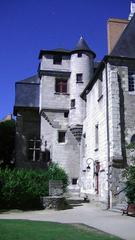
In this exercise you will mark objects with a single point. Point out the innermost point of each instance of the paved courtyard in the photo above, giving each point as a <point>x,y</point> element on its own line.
<point>86,213</point>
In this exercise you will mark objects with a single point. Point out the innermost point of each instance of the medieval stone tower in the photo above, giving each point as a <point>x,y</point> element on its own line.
<point>81,66</point>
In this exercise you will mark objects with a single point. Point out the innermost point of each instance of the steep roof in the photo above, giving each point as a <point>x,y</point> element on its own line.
<point>125,46</point>
<point>80,46</point>
<point>32,79</point>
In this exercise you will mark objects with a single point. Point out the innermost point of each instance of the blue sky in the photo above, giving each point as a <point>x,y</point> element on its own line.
<point>26,26</point>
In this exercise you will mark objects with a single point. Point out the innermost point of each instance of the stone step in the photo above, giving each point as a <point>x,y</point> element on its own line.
<point>119,207</point>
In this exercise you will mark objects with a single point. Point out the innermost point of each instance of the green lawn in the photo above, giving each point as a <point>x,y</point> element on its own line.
<point>34,230</point>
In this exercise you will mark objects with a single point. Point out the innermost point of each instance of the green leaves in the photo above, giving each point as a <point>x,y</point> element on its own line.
<point>130,184</point>
<point>23,188</point>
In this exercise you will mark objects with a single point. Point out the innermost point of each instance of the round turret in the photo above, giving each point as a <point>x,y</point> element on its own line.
<point>81,66</point>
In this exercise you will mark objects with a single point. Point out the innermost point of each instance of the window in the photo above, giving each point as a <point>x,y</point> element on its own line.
<point>133,139</point>
<point>74,181</point>
<point>66,114</point>
<point>57,59</point>
<point>61,136</point>
<point>96,137</point>
<point>61,86</point>
<point>72,103</point>
<point>34,149</point>
<point>79,77</point>
<point>131,81</point>
<point>79,55</point>
<point>100,93</point>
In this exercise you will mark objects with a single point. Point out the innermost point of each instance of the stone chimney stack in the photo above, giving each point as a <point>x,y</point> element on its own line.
<point>132,10</point>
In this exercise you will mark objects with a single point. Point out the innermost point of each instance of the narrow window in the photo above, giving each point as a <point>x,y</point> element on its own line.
<point>61,86</point>
<point>34,149</point>
<point>79,55</point>
<point>72,103</point>
<point>74,181</point>
<point>61,136</point>
<point>96,137</point>
<point>66,114</point>
<point>100,93</point>
<point>79,77</point>
<point>131,81</point>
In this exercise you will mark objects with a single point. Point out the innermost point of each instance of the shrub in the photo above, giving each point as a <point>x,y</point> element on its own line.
<point>129,173</point>
<point>130,184</point>
<point>23,188</point>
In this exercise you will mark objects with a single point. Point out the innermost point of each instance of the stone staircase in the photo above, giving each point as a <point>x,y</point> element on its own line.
<point>119,207</point>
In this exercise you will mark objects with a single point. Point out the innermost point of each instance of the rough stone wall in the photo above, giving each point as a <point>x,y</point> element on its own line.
<point>66,154</point>
<point>27,126</point>
<point>95,114</point>
<point>47,63</point>
<point>49,98</point>
<point>114,114</point>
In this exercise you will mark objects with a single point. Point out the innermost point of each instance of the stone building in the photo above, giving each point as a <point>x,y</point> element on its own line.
<point>80,114</point>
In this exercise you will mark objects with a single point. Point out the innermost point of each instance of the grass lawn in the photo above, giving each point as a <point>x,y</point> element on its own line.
<point>34,230</point>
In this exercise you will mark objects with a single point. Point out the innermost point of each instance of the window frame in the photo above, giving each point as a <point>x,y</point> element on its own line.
<point>34,149</point>
<point>79,78</point>
<point>72,103</point>
<point>60,138</point>
<point>131,81</point>
<point>61,85</point>
<point>96,137</point>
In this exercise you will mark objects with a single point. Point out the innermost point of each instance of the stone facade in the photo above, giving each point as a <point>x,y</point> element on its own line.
<point>80,114</point>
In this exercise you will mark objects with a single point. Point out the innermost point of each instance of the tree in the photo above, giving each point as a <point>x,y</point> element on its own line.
<point>7,142</point>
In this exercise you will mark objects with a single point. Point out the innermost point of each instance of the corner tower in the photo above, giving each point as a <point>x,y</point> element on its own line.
<point>81,66</point>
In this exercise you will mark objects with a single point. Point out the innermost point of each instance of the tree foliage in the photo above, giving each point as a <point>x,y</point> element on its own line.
<point>7,142</point>
<point>129,173</point>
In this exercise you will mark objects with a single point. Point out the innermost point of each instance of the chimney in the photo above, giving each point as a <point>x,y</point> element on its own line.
<point>115,27</point>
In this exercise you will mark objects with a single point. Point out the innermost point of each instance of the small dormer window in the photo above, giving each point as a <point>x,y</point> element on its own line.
<point>57,59</point>
<point>79,55</point>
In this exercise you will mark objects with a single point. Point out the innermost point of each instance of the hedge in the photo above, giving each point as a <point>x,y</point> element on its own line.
<point>22,189</point>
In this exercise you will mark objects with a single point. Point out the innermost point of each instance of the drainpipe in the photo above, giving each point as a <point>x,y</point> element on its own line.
<point>108,137</point>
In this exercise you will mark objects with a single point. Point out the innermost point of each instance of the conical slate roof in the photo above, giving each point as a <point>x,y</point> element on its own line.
<point>125,46</point>
<point>83,46</point>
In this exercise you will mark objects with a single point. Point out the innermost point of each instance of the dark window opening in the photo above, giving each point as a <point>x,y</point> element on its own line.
<point>131,81</point>
<point>74,181</point>
<point>61,86</point>
<point>34,149</point>
<point>61,136</point>
<point>79,55</point>
<point>57,59</point>
<point>79,77</point>
<point>66,114</point>
<point>133,139</point>
<point>96,136</point>
<point>72,103</point>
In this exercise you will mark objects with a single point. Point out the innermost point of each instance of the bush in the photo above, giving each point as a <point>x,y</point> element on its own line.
<point>130,184</point>
<point>129,173</point>
<point>23,188</point>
